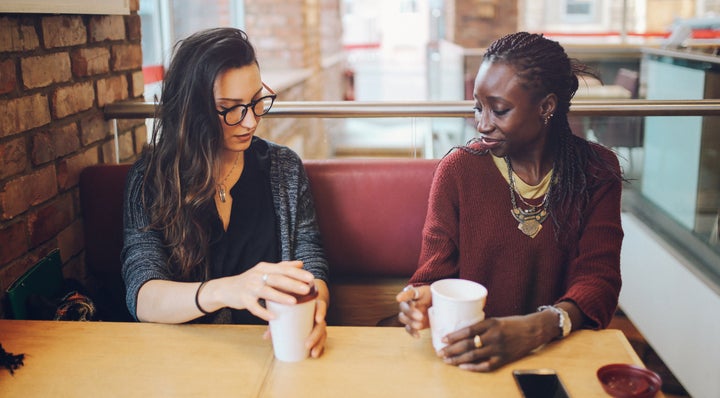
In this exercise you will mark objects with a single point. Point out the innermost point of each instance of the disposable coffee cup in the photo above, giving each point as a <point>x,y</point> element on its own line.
<point>456,303</point>
<point>291,327</point>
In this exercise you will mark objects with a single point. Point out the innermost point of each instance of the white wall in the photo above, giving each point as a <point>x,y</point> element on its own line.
<point>678,314</point>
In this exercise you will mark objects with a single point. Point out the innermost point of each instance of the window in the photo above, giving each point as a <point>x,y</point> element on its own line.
<point>580,11</point>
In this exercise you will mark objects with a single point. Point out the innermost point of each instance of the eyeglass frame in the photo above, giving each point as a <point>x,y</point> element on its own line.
<point>250,105</point>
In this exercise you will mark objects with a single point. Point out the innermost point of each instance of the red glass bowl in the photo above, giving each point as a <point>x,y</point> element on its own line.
<point>629,381</point>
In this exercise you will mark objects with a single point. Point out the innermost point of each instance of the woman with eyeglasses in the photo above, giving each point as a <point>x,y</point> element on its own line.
<point>218,220</point>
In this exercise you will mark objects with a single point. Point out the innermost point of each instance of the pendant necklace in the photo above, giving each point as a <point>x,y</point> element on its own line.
<point>529,220</point>
<point>222,189</point>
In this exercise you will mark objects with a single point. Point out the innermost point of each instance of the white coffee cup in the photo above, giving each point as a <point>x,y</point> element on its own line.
<point>291,327</point>
<point>456,303</point>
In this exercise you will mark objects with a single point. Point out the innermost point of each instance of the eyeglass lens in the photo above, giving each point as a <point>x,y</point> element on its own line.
<point>259,108</point>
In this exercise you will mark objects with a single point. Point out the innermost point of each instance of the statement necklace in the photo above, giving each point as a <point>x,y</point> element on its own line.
<point>222,189</point>
<point>529,220</point>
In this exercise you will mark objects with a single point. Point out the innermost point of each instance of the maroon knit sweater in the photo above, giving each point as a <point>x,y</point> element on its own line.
<point>470,233</point>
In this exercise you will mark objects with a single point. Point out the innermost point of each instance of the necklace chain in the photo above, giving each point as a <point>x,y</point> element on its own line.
<point>222,189</point>
<point>529,220</point>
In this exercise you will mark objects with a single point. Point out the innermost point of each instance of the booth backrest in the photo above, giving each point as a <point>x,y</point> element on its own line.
<point>370,213</point>
<point>101,201</point>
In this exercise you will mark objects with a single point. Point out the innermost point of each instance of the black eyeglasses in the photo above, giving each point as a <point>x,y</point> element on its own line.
<point>260,107</point>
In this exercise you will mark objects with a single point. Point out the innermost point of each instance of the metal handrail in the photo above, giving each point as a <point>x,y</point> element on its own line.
<point>366,109</point>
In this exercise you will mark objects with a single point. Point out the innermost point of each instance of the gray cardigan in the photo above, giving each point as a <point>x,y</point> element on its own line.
<point>144,257</point>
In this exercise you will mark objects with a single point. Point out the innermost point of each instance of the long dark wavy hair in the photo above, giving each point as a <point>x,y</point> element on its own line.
<point>545,68</point>
<point>185,146</point>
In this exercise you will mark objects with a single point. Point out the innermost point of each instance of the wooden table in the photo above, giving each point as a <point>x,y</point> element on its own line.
<point>97,359</point>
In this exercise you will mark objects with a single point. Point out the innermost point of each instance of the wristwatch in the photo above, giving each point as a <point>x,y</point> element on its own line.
<point>564,323</point>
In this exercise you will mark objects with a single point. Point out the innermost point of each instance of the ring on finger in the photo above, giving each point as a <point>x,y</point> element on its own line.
<point>416,293</point>
<point>477,342</point>
<point>265,279</point>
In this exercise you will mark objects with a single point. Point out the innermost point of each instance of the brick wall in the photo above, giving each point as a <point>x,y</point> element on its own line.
<point>299,34</point>
<point>56,74</point>
<point>471,24</point>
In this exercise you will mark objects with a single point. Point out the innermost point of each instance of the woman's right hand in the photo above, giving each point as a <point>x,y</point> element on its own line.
<point>414,303</point>
<point>269,281</point>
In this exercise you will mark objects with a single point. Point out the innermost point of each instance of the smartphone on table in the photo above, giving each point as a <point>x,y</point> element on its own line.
<point>540,383</point>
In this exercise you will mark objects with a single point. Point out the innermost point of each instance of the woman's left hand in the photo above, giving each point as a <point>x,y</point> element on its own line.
<point>318,335</point>
<point>499,342</point>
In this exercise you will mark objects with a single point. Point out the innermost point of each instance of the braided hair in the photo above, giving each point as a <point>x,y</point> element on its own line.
<point>545,68</point>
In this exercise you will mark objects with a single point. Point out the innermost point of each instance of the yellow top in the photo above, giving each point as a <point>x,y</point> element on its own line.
<point>526,190</point>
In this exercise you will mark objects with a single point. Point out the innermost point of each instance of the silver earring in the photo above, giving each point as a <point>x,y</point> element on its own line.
<point>547,119</point>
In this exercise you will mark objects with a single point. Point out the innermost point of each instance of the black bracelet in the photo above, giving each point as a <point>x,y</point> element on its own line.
<point>197,298</point>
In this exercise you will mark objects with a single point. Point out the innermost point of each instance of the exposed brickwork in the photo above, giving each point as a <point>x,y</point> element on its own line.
<point>133,27</point>
<point>45,70</point>
<point>8,77</point>
<point>47,221</point>
<point>71,240</point>
<point>68,173</point>
<point>15,242</point>
<point>24,113</point>
<point>126,57</point>
<point>29,190</point>
<point>13,157</point>
<point>63,31</point>
<point>54,143</point>
<point>69,100</point>
<point>137,84</point>
<point>474,28</point>
<point>111,90</point>
<point>93,128</point>
<point>107,27</point>
<point>90,61</point>
<point>17,37</point>
<point>56,73</point>
<point>293,34</point>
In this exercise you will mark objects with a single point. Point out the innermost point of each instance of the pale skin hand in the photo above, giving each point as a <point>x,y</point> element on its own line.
<point>316,341</point>
<point>504,340</point>
<point>158,299</point>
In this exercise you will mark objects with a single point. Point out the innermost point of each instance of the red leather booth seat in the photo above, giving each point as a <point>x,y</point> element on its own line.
<point>101,201</point>
<point>371,213</point>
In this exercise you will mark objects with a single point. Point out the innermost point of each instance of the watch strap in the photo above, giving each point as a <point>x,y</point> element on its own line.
<point>564,322</point>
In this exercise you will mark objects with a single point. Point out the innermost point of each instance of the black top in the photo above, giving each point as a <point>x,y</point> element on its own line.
<point>252,235</point>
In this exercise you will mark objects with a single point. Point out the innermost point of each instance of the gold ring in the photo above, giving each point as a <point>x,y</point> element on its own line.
<point>477,342</point>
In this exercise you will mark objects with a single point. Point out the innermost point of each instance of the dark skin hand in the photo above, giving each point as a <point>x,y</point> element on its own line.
<point>504,340</point>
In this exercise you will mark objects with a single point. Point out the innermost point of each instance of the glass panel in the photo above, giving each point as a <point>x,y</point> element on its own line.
<point>671,163</point>
<point>398,137</point>
<point>684,188</point>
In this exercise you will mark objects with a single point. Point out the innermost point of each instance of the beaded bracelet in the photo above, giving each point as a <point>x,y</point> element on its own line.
<point>197,298</point>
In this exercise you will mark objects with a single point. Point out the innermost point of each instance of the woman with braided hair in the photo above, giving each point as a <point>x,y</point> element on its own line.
<point>527,209</point>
